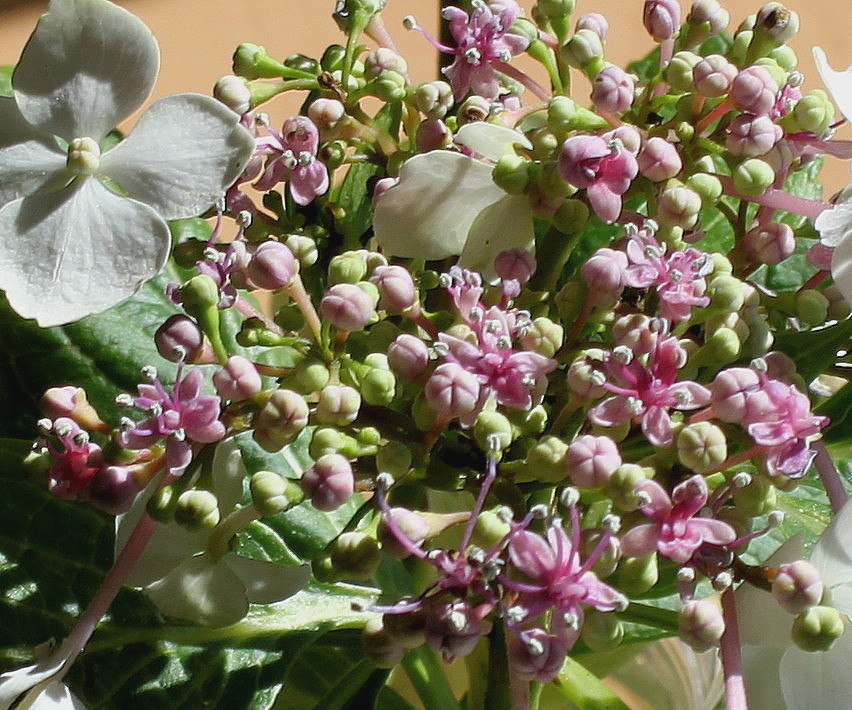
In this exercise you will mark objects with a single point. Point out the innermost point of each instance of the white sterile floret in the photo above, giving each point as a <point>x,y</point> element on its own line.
<point>838,83</point>
<point>193,575</point>
<point>446,204</point>
<point>835,230</point>
<point>81,230</point>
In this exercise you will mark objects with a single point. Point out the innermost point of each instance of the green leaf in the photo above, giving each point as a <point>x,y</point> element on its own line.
<point>585,690</point>
<point>838,408</point>
<point>6,80</point>
<point>814,351</point>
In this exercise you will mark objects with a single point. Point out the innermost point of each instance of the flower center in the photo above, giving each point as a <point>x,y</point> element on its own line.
<point>84,156</point>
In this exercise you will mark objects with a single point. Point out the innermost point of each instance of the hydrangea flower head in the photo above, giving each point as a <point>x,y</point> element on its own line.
<point>80,230</point>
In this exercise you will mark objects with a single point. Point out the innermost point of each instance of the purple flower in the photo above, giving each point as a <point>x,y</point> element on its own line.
<point>482,39</point>
<point>674,531</point>
<point>604,169</point>
<point>184,416</point>
<point>678,277</point>
<point>75,463</point>
<point>645,392</point>
<point>293,158</point>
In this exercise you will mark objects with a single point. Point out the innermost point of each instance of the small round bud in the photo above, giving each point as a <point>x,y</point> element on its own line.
<point>304,249</point>
<point>382,60</point>
<point>338,405</point>
<point>753,176</point>
<point>397,292</point>
<point>379,647</point>
<point>700,624</point>
<point>572,217</point>
<point>604,270</point>
<point>535,654</point>
<point>750,136</point>
<point>84,156</point>
<point>584,379</point>
<point>408,629</point>
<point>777,22</point>
<point>271,493</point>
<point>349,267</point>
<point>329,483</point>
<point>814,113</point>
<point>582,49</point>
<point>679,71</point>
<point>546,460</point>
<point>412,526</point>
<point>544,337</point>
<point>621,486</point>
<point>661,18</point>
<point>408,356</point>
<point>713,75</point>
<point>237,379</point>
<point>113,489</point>
<point>754,90</point>
<point>281,419</point>
<point>389,86</point>
<point>492,429</point>
<point>592,460</point>
<point>637,575</point>
<point>659,160</point>
<point>327,440</point>
<point>326,113</point>
<point>613,89</point>
<point>602,631</point>
<point>309,376</point>
<point>234,92</point>
<point>347,307</point>
<point>517,264</point>
<point>701,446</point>
<point>811,307</point>
<point>197,510</point>
<point>708,17</point>
<point>737,394</point>
<point>473,109</point>
<point>355,556</point>
<point>817,628</point>
<point>512,174</point>
<point>797,586</point>
<point>434,99</point>
<point>432,135</point>
<point>179,338</point>
<point>451,391</point>
<point>678,207</point>
<point>769,244</point>
<point>595,22</point>
<point>490,528</point>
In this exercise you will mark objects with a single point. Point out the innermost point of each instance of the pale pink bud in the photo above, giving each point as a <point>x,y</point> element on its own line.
<point>338,405</point>
<point>701,624</point>
<point>750,136</point>
<point>237,379</point>
<point>408,356</point>
<point>737,394</point>
<point>535,654</point>
<point>635,332</point>
<point>347,307</point>
<point>326,113</point>
<point>179,338</point>
<point>329,483</point>
<point>714,75</point>
<point>711,12</point>
<point>113,489</point>
<point>272,266</point>
<point>431,135</point>
<point>234,92</point>
<point>70,402</point>
<point>397,292</point>
<point>412,526</point>
<point>613,89</point>
<point>584,379</point>
<point>661,18</point>
<point>754,90</point>
<point>769,244</point>
<point>797,586</point>
<point>595,22</point>
<point>820,255</point>
<point>591,460</point>
<point>451,391</point>
<point>382,186</point>
<point>604,270</point>
<point>515,264</point>
<point>659,160</point>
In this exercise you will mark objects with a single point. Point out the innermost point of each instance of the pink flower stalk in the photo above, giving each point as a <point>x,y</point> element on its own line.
<point>292,157</point>
<point>604,169</point>
<point>674,531</point>
<point>556,580</point>
<point>678,277</point>
<point>646,392</point>
<point>75,463</point>
<point>184,416</point>
<point>785,431</point>
<point>482,40</point>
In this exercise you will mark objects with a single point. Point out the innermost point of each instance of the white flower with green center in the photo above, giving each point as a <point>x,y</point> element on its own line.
<point>81,229</point>
<point>194,575</point>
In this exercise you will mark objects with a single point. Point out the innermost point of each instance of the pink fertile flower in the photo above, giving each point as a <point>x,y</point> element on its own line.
<point>674,531</point>
<point>184,415</point>
<point>482,40</point>
<point>75,464</point>
<point>604,169</point>
<point>645,392</point>
<point>678,277</point>
<point>293,158</point>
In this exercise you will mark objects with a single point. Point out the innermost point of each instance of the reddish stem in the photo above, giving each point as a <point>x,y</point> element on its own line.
<point>777,199</point>
<point>829,476</point>
<point>732,659</point>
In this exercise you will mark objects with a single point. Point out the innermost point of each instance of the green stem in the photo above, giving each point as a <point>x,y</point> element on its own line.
<point>551,255</point>
<point>429,680</point>
<point>647,615</point>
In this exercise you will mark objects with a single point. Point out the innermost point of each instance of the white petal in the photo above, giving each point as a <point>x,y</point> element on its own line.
<point>834,224</point>
<point>203,591</point>
<point>57,696</point>
<point>818,681</point>
<point>504,224</point>
<point>832,554</point>
<point>181,156</point>
<point>28,159</point>
<point>490,140</point>
<point>267,582</point>
<point>80,250</point>
<point>13,684</point>
<point>87,65</point>
<point>429,213</point>
<point>838,83</point>
<point>229,473</point>
<point>760,670</point>
<point>841,267</point>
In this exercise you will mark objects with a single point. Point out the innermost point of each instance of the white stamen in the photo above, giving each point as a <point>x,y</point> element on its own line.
<point>534,646</point>
<point>476,555</point>
<point>212,255</point>
<point>635,406</point>
<point>457,621</point>
<point>445,280</point>
<point>244,218</point>
<point>621,603</point>
<point>504,342</point>
<point>45,426</point>
<point>441,349</point>
<point>81,438</point>
<point>722,581</point>
<point>539,511</point>
<point>775,518</point>
<point>569,497</point>
<point>676,275</point>
<point>305,158</point>
<point>504,55</point>
<point>611,522</point>
<point>515,614</point>
<point>124,400</point>
<point>494,443</point>
<point>475,313</point>
<point>155,410</point>
<point>288,157</point>
<point>384,481</point>
<point>179,434</point>
<point>473,55</point>
<point>651,226</point>
<point>622,354</point>
<point>528,381</point>
<point>504,514</point>
<point>262,119</point>
<point>683,397</point>
<point>597,378</point>
<point>126,424</point>
<point>686,575</point>
<point>149,372</point>
<point>759,364</point>
<point>643,498</point>
<point>741,479</point>
<point>571,620</point>
<point>62,429</point>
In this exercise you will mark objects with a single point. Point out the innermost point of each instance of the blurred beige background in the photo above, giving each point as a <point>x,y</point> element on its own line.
<point>197,38</point>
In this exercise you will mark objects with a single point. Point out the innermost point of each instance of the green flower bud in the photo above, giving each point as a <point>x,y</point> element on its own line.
<point>636,575</point>
<point>838,307</point>
<point>304,248</point>
<point>814,112</point>
<point>378,360</point>
<point>811,307</point>
<point>355,556</point>
<point>423,415</point>
<point>434,99</point>
<point>281,420</point>
<point>161,505</point>
<point>739,49</point>
<point>251,61</point>
<point>760,338</point>
<point>394,457</point>
<point>785,57</point>
<point>369,436</point>
<point>492,428</point>
<point>512,174</point>
<point>309,376</point>
<point>197,510</point>
<point>531,423</point>
<point>409,629</point>
<point>379,647</point>
<point>349,267</point>
<point>721,264</point>
<point>546,460</point>
<point>757,498</point>
<point>327,440</point>
<point>584,50</point>
<point>378,386</point>
<point>572,217</point>
<point>323,569</point>
<point>678,207</point>
<point>271,493</point>
<point>678,72</point>
<point>332,57</point>
<point>338,405</point>
<point>774,70</point>
<point>726,294</point>
<point>602,631</point>
<point>389,86</point>
<point>556,9</point>
<point>353,15</point>
<point>708,187</point>
<point>545,337</point>
<point>700,624</point>
<point>489,529</point>
<point>817,628</point>
<point>303,63</point>
<point>565,115</point>
<point>621,487</point>
<point>701,446</point>
<point>721,348</point>
<point>753,176</point>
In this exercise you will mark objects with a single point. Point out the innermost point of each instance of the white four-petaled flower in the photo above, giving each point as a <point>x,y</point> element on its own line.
<point>80,230</point>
